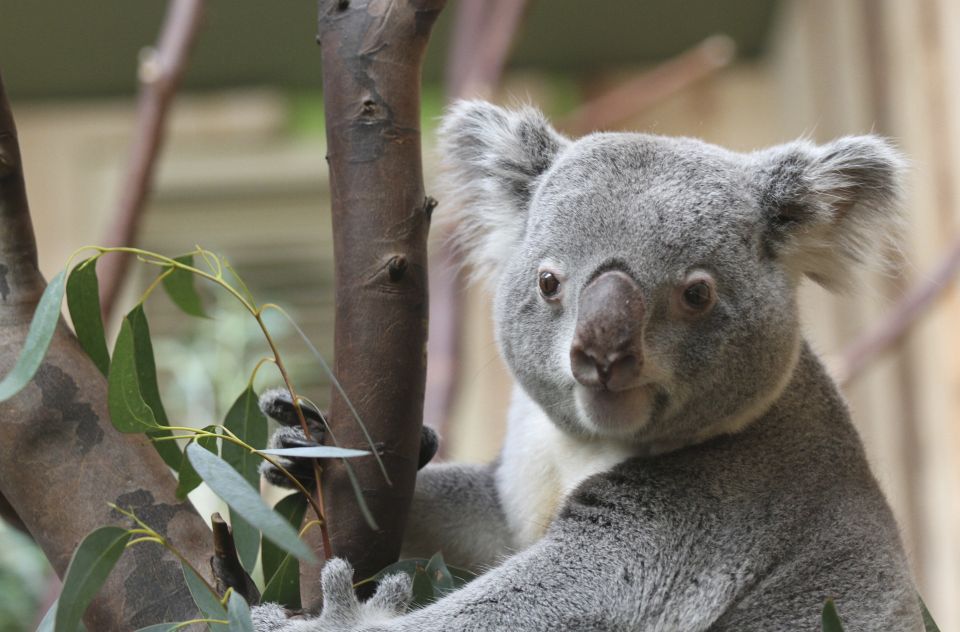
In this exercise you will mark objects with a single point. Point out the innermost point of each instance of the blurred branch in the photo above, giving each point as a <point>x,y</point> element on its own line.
<point>643,91</point>
<point>160,71</point>
<point>483,33</point>
<point>897,324</point>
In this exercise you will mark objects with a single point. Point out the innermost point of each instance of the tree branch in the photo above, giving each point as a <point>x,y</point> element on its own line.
<point>897,324</point>
<point>160,73</point>
<point>641,92</point>
<point>372,54</point>
<point>60,459</point>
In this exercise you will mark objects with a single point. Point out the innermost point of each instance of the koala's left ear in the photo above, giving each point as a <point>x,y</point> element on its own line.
<point>493,159</point>
<point>830,207</point>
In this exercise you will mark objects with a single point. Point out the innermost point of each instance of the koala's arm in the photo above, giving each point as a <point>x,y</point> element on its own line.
<point>574,579</point>
<point>456,510</point>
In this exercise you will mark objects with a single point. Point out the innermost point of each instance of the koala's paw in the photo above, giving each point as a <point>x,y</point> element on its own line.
<point>276,404</point>
<point>342,611</point>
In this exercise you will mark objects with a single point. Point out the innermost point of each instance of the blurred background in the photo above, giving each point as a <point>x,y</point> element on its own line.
<point>243,173</point>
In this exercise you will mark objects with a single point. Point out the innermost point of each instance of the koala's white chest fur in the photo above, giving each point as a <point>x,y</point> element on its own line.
<point>541,465</point>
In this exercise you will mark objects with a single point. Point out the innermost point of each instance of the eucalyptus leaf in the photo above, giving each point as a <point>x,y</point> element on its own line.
<point>293,508</point>
<point>46,624</point>
<point>149,390</point>
<point>284,585</point>
<point>40,334</point>
<point>83,300</point>
<point>929,625</point>
<point>238,614</point>
<point>128,411</point>
<point>316,452</point>
<point>830,618</point>
<point>188,477</point>
<point>440,576</point>
<point>181,289</point>
<point>207,601</point>
<point>245,420</point>
<point>162,627</point>
<point>244,499</point>
<point>88,570</point>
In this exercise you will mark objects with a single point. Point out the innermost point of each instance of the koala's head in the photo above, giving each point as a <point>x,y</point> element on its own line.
<point>645,287</point>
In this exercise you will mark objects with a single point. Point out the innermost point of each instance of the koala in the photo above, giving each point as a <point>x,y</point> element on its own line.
<point>677,458</point>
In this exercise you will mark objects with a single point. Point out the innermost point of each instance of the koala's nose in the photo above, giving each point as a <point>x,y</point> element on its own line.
<point>606,350</point>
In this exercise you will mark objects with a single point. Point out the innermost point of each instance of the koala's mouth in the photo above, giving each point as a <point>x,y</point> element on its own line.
<point>610,412</point>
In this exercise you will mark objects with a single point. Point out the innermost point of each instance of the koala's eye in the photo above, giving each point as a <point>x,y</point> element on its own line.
<point>549,284</point>
<point>697,295</point>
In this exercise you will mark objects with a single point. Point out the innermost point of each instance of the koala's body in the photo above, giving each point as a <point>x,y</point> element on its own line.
<point>676,459</point>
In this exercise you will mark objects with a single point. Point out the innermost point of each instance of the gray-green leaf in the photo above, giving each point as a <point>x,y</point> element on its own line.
<point>928,623</point>
<point>35,347</point>
<point>83,300</point>
<point>46,624</point>
<point>128,411</point>
<point>316,452</point>
<point>91,563</point>
<point>208,602</point>
<point>179,285</point>
<point>245,500</point>
<point>245,420</point>
<point>238,613</point>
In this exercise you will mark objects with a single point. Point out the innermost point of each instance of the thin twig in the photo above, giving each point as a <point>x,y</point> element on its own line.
<point>904,315</point>
<point>161,69</point>
<point>643,91</point>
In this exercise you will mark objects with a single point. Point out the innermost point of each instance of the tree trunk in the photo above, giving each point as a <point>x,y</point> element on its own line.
<point>61,461</point>
<point>372,54</point>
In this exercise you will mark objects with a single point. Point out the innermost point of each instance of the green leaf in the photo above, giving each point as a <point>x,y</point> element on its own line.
<point>245,420</point>
<point>207,601</point>
<point>128,411</point>
<point>293,508</point>
<point>83,300</point>
<point>245,500</point>
<point>440,577</point>
<point>188,477</point>
<point>179,285</point>
<point>238,613</point>
<point>46,624</point>
<point>284,586</point>
<point>35,347</point>
<point>162,627</point>
<point>91,563</point>
<point>928,623</point>
<point>830,618</point>
<point>316,452</point>
<point>149,390</point>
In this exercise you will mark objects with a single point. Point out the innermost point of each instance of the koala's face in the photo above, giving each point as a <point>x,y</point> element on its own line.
<point>645,286</point>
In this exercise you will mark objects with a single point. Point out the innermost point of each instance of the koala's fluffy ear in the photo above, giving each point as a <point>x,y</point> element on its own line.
<point>830,207</point>
<point>492,160</point>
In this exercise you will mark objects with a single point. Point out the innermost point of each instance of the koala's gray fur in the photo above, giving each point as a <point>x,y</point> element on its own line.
<point>728,491</point>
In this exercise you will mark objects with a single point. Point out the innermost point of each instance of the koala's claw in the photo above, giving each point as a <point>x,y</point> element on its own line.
<point>276,404</point>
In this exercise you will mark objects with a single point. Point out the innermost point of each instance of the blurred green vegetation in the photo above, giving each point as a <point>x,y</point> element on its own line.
<point>23,579</point>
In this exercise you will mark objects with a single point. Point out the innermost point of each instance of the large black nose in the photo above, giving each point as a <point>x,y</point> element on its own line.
<point>607,347</point>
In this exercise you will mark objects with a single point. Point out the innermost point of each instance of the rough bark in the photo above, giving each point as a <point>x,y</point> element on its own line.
<point>372,54</point>
<point>61,461</point>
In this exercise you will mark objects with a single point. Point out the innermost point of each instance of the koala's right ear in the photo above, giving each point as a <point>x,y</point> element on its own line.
<point>492,161</point>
